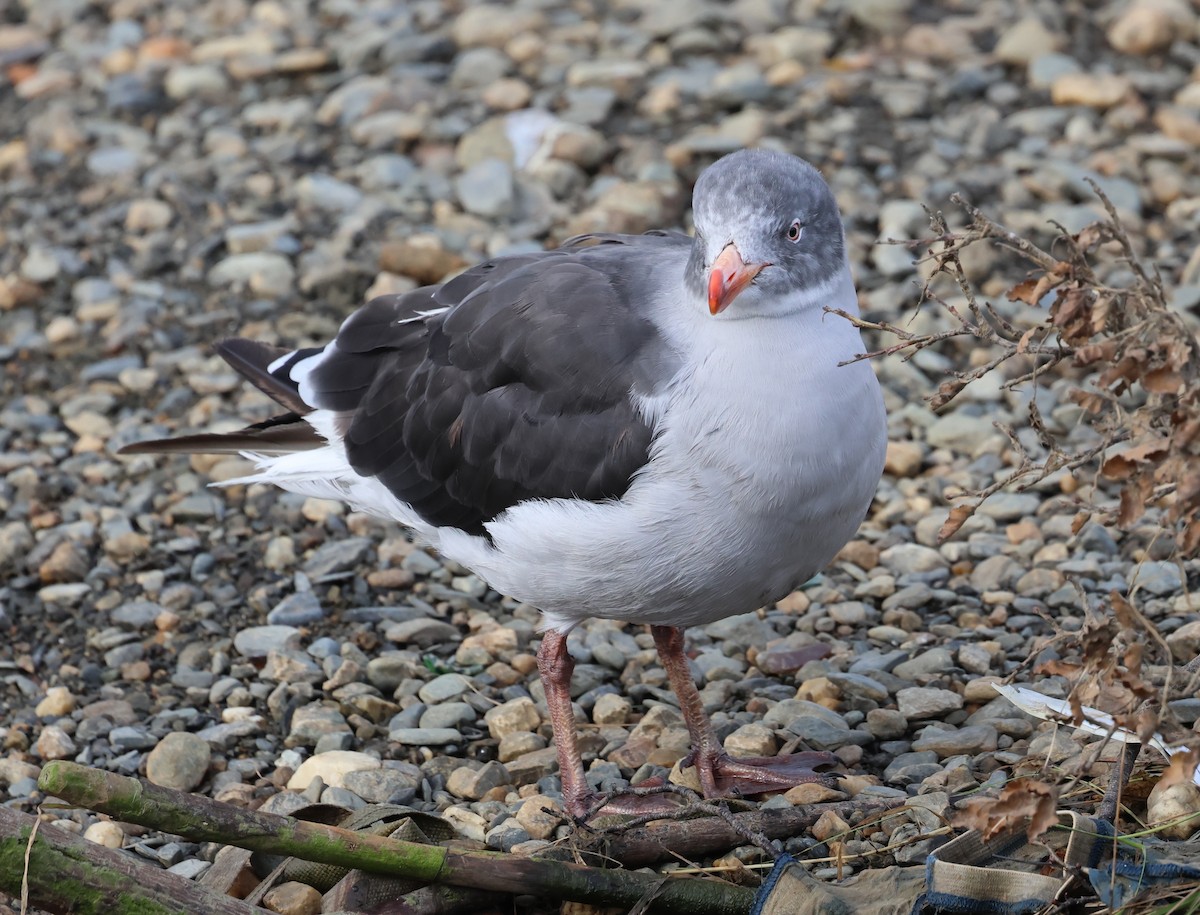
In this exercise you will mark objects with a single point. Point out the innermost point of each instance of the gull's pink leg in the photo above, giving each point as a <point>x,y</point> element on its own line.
<point>720,774</point>
<point>555,666</point>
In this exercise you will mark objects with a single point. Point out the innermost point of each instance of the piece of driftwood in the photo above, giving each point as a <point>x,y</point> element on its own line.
<point>201,819</point>
<point>694,838</point>
<point>69,874</point>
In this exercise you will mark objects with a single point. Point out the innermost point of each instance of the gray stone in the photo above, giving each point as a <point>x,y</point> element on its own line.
<point>327,193</point>
<point>180,761</point>
<point>1160,578</point>
<point>934,662</point>
<point>422,737</point>
<point>444,687</point>
<point>383,786</point>
<point>487,188</point>
<point>337,556</point>
<point>259,641</point>
<point>296,610</point>
<point>907,558</point>
<point>969,740</point>
<point>927,702</point>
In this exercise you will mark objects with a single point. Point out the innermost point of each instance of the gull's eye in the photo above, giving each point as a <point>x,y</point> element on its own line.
<point>795,230</point>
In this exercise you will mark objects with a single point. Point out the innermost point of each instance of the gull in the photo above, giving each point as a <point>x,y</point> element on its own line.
<point>661,429</point>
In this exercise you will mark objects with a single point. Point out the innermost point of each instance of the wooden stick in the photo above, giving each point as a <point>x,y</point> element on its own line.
<point>694,838</point>
<point>200,819</point>
<point>67,873</point>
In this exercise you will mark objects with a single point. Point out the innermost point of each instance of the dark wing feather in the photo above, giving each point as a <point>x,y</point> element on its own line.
<point>520,390</point>
<point>277,435</point>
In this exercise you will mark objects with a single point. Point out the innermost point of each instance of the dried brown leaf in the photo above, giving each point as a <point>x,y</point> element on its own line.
<point>1023,800</point>
<point>1124,465</point>
<point>1023,343</point>
<point>1080,519</point>
<point>1089,401</point>
<point>1180,768</point>
<point>1123,611</point>
<point>1133,501</point>
<point>1101,351</point>
<point>1057,667</point>
<point>946,392</point>
<point>1027,291</point>
<point>1163,380</point>
<point>1190,539</point>
<point>957,518</point>
<point>1072,315</point>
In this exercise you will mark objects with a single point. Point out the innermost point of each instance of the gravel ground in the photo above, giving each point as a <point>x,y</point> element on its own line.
<point>175,172</point>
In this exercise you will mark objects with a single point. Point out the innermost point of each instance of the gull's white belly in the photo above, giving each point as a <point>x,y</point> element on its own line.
<point>748,494</point>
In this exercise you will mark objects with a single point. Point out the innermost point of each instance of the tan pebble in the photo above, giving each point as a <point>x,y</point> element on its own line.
<point>55,743</point>
<point>515,715</point>
<point>904,459</point>
<point>828,825</point>
<point>1023,531</point>
<point>503,674</point>
<point>164,48</point>
<point>979,690</point>
<point>61,329</point>
<point>388,283</point>
<point>461,782</point>
<point>392,579</point>
<point>797,602</point>
<point>1025,40</point>
<point>317,510</point>
<point>1093,90</point>
<point>1051,554</point>
<point>752,740</point>
<point>293,899</point>
<point>1175,803</point>
<point>57,702</point>
<point>1147,26</point>
<point>540,816</point>
<point>147,214</point>
<point>687,778</point>
<point>1184,642</point>
<point>812,793</point>
<point>279,554</point>
<point>1178,124</point>
<point>424,258</point>
<point>517,744</point>
<point>138,671</point>
<point>660,100</point>
<point>524,664</point>
<point>862,554</point>
<point>126,546</point>
<point>611,708</point>
<point>106,833</point>
<point>121,60</point>
<point>821,691</point>
<point>785,73</point>
<point>855,784</point>
<point>507,94</point>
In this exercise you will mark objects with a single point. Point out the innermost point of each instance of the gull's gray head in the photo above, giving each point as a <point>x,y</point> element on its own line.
<point>768,231</point>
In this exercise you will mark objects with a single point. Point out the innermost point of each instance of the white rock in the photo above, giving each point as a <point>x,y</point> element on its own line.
<point>332,768</point>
